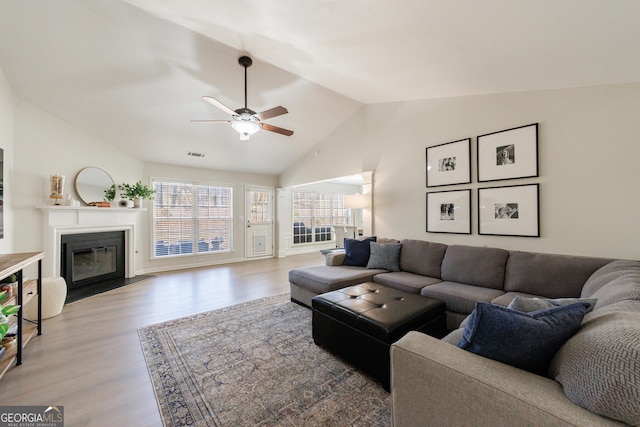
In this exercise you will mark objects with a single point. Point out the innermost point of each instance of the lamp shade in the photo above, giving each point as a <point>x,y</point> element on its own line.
<point>355,201</point>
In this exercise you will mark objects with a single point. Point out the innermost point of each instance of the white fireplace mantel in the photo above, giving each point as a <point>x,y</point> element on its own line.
<point>61,220</point>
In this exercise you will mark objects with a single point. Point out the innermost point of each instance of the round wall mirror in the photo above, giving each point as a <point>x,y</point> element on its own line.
<point>91,184</point>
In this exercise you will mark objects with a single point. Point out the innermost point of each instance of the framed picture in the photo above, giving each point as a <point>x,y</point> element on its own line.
<point>508,154</point>
<point>449,212</point>
<point>449,163</point>
<point>509,211</point>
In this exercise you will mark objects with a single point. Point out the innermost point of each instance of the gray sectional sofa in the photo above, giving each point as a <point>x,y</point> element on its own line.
<point>594,379</point>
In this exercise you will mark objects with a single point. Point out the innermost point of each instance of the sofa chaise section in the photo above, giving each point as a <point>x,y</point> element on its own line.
<point>308,282</point>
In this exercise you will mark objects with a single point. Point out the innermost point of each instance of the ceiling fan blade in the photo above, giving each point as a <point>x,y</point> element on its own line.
<point>220,105</point>
<point>276,129</point>
<point>210,121</point>
<point>273,112</point>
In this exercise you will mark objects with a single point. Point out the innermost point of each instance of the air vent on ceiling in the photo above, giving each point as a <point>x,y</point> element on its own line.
<point>194,154</point>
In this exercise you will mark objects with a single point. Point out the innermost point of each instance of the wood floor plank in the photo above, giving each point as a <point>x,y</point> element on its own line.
<point>89,358</point>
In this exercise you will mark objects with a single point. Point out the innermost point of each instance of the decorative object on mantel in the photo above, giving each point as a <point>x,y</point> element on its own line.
<point>100,204</point>
<point>94,184</point>
<point>137,192</point>
<point>57,188</point>
<point>124,203</point>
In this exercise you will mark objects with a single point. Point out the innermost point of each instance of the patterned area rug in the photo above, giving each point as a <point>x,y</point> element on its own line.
<point>256,364</point>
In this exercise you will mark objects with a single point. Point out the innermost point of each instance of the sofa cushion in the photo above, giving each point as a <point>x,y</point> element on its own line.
<point>421,257</point>
<point>607,274</point>
<point>525,340</point>
<point>407,282</point>
<point>454,336</point>
<point>623,288</point>
<point>459,297</point>
<point>598,367</point>
<point>547,275</point>
<point>533,304</point>
<point>322,278</point>
<point>610,286</point>
<point>475,266</point>
<point>506,298</point>
<point>385,256</point>
<point>357,251</point>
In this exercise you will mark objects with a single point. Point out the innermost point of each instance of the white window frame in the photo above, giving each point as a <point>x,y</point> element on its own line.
<point>332,217</point>
<point>195,218</point>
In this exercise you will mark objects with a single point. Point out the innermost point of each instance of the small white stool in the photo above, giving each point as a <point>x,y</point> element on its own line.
<point>54,293</point>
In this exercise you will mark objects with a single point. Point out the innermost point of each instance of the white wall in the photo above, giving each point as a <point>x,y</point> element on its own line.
<point>44,145</point>
<point>588,162</point>
<point>6,143</point>
<point>238,181</point>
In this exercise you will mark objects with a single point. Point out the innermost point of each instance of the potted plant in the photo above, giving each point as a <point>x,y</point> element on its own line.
<point>110,193</point>
<point>137,192</point>
<point>6,311</point>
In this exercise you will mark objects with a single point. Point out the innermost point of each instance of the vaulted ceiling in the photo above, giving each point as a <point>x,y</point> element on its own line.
<point>132,72</point>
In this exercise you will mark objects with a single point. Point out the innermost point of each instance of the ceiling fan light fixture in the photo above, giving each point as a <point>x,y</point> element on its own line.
<point>245,128</point>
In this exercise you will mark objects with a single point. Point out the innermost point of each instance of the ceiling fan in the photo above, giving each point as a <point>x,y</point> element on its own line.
<point>246,121</point>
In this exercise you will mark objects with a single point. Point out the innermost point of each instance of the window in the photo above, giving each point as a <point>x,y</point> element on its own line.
<point>314,214</point>
<point>260,207</point>
<point>191,218</point>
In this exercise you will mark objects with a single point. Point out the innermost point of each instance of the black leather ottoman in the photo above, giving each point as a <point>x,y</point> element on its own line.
<point>359,323</point>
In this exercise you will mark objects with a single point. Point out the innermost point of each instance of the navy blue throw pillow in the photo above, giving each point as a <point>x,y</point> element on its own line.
<point>525,340</point>
<point>357,251</point>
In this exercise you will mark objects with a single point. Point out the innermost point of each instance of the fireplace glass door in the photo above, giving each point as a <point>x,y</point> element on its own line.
<point>92,257</point>
<point>93,262</point>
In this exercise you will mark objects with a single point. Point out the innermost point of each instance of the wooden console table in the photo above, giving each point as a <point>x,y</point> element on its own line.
<point>14,264</point>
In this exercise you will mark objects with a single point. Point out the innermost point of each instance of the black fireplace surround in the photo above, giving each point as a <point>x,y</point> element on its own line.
<point>92,258</point>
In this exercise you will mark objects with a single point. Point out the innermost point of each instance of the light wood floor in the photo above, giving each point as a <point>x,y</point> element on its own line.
<point>89,358</point>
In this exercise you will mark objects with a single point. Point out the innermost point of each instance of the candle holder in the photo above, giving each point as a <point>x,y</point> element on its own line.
<point>57,188</point>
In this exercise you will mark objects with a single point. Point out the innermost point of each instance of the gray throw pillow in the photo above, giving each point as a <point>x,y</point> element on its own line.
<point>527,305</point>
<point>385,255</point>
<point>598,367</point>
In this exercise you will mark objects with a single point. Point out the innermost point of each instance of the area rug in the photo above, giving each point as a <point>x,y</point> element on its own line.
<point>256,364</point>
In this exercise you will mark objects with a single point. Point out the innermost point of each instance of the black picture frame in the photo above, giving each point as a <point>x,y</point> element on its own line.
<point>508,154</point>
<point>449,211</point>
<point>512,210</point>
<point>449,163</point>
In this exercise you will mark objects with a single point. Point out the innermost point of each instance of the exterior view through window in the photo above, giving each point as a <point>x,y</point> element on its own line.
<point>191,218</point>
<point>315,214</point>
